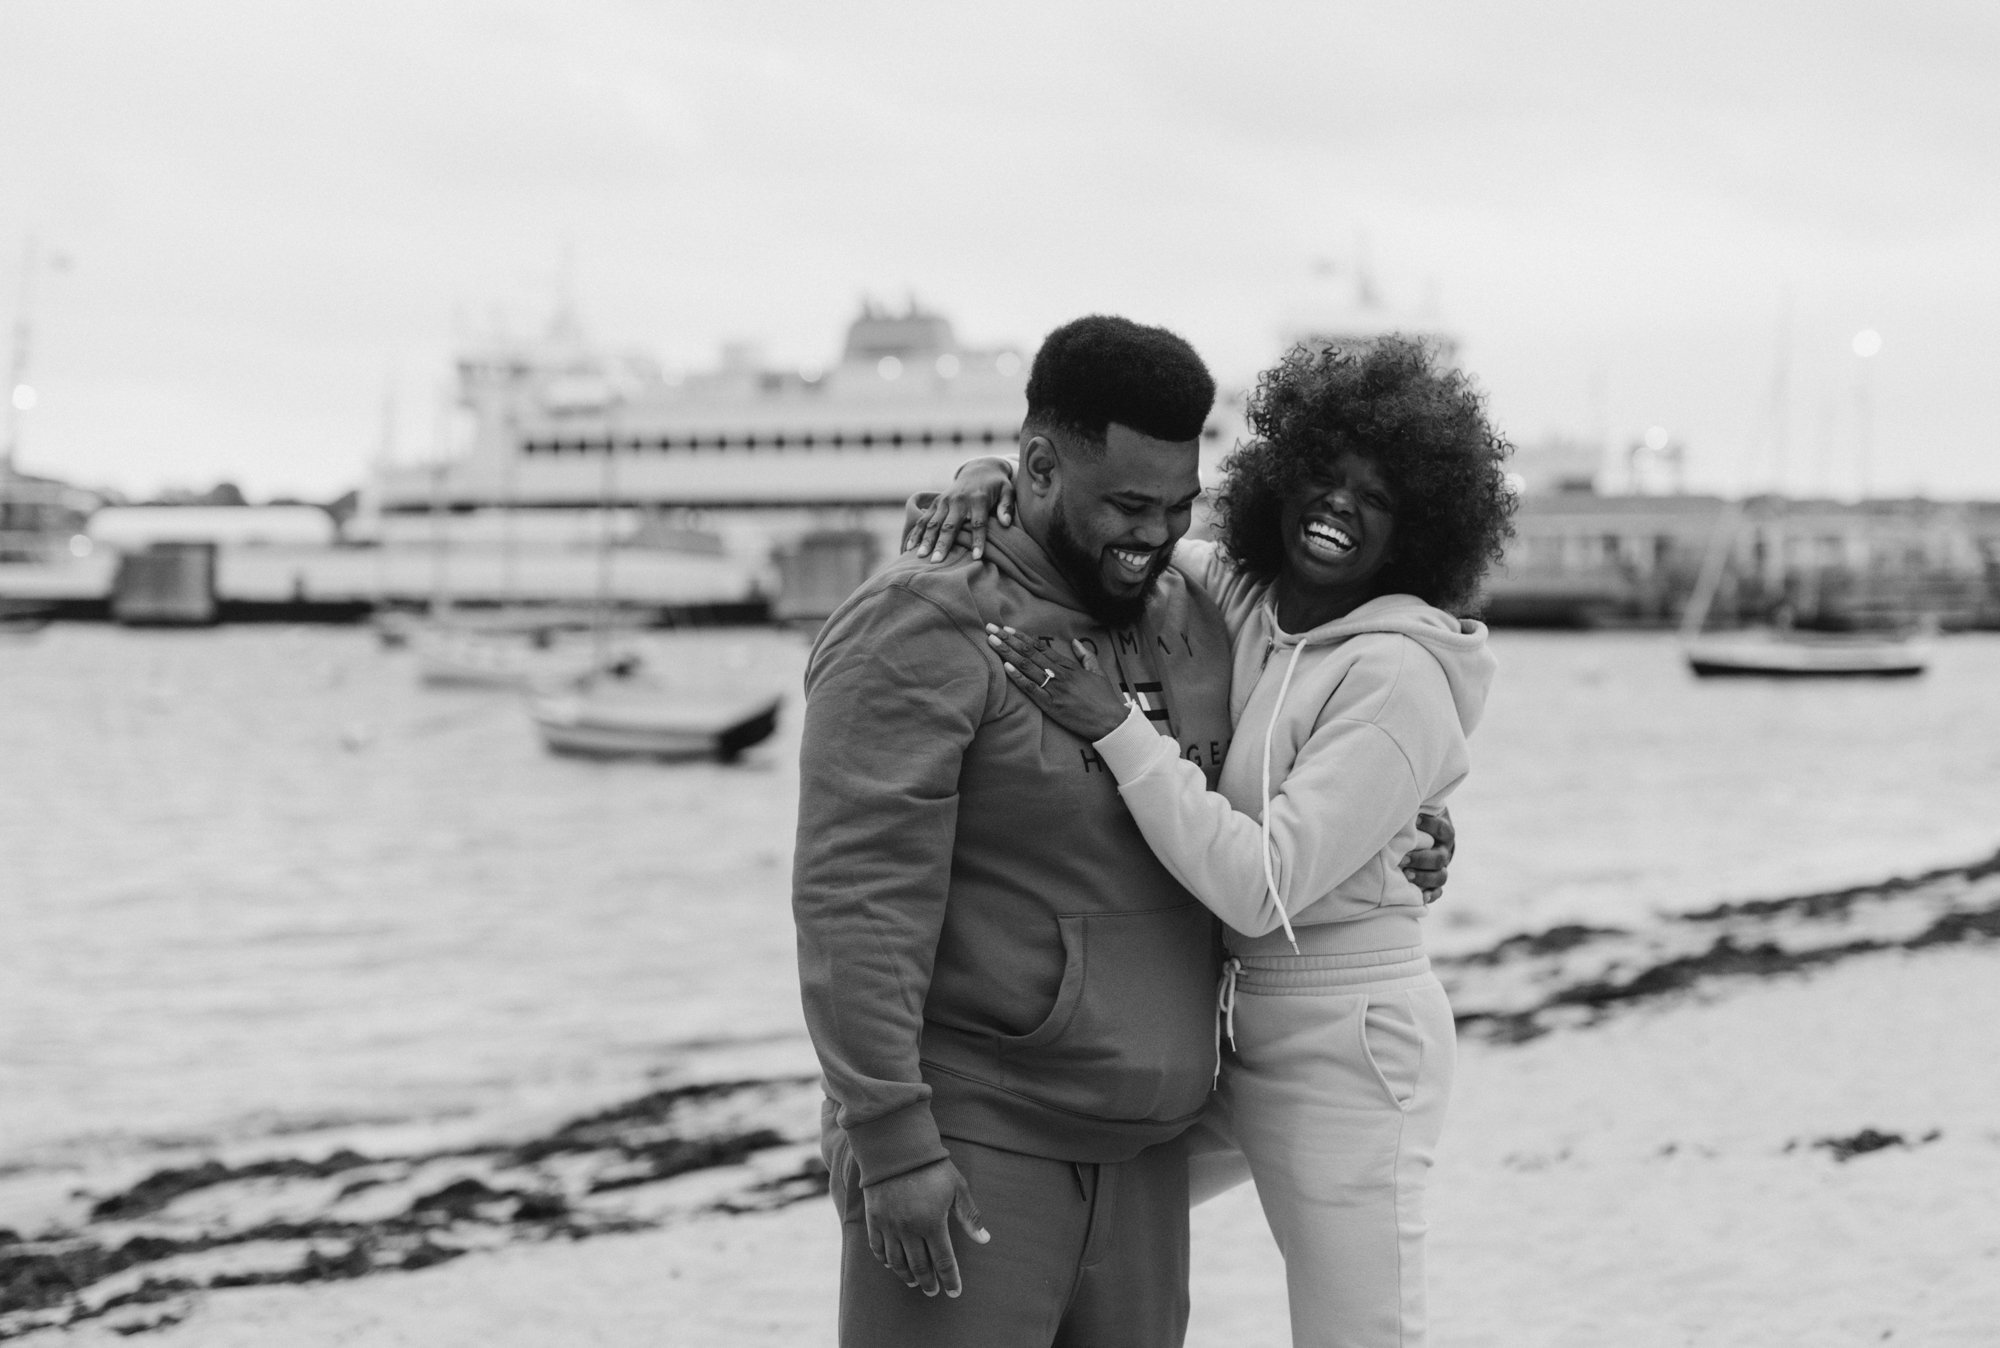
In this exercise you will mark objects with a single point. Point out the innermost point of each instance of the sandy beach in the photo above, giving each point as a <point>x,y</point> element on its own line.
<point>340,1013</point>
<point>1765,1123</point>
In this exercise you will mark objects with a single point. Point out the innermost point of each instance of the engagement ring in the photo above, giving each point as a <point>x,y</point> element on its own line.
<point>1047,675</point>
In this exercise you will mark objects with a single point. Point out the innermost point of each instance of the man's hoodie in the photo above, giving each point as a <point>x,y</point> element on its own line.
<point>988,949</point>
<point>1343,734</point>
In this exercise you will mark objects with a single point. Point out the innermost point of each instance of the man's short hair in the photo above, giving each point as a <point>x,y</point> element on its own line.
<point>1093,371</point>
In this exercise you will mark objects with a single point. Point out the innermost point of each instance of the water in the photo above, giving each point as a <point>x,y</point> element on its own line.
<point>258,881</point>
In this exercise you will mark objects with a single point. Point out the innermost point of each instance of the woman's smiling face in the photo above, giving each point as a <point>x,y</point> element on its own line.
<point>1338,526</point>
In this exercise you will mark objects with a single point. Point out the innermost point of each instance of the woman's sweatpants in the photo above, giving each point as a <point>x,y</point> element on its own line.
<point>1333,1102</point>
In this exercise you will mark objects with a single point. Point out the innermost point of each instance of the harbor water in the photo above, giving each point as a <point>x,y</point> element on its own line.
<point>258,881</point>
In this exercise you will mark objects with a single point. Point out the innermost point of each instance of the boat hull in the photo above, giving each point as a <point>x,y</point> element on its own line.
<point>458,660</point>
<point>1794,657</point>
<point>666,729</point>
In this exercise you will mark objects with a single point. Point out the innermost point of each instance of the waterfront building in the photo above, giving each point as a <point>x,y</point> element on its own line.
<point>1581,559</point>
<point>40,517</point>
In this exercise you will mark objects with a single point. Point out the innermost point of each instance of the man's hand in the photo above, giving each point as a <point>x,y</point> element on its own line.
<point>1426,867</point>
<point>909,1228</point>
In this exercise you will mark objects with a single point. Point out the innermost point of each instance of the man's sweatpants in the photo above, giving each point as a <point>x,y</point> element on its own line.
<point>1082,1256</point>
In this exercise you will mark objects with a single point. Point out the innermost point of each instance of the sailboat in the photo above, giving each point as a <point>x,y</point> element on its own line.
<point>451,656</point>
<point>511,647</point>
<point>620,709</point>
<point>1780,652</point>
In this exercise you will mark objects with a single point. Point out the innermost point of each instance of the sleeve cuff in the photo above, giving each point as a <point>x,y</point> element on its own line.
<point>1132,747</point>
<point>896,1144</point>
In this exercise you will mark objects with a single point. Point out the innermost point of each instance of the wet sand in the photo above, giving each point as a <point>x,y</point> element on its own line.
<point>1761,1123</point>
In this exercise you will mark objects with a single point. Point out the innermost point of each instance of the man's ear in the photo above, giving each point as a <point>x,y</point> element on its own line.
<point>1039,466</point>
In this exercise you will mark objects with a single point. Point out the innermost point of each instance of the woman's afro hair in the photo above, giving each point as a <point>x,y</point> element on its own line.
<point>1422,424</point>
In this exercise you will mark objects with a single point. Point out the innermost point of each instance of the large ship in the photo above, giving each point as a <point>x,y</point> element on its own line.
<point>560,433</point>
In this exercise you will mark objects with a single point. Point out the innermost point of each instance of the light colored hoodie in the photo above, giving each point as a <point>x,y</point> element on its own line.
<point>1343,734</point>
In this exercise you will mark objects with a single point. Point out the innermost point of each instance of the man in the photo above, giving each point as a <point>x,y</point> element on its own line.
<point>1010,996</point>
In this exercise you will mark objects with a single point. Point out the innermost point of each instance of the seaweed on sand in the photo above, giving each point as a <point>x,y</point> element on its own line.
<point>1518,988</point>
<point>395,1214</point>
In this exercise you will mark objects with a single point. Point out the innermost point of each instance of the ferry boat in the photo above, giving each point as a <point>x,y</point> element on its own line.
<point>562,433</point>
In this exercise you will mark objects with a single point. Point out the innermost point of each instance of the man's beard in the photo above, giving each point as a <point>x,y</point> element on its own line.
<point>1084,570</point>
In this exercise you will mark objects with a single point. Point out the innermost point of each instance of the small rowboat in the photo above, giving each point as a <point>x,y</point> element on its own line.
<point>1768,653</point>
<point>638,718</point>
<point>453,659</point>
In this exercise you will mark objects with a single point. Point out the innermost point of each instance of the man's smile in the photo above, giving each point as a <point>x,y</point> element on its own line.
<point>1133,564</point>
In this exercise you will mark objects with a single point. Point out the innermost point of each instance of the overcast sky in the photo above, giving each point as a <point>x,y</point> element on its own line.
<point>1633,215</point>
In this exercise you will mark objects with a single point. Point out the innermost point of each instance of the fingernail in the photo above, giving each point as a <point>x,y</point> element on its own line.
<point>991,628</point>
<point>977,553</point>
<point>981,1235</point>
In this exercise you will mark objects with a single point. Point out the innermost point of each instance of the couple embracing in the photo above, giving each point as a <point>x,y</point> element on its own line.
<point>1112,851</point>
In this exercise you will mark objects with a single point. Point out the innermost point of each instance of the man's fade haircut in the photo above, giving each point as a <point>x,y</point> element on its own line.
<point>1099,369</point>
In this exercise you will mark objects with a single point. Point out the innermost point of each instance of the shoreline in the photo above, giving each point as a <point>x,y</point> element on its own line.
<point>154,1252</point>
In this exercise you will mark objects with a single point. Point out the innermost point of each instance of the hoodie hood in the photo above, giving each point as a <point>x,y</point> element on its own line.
<point>1027,563</point>
<point>1458,644</point>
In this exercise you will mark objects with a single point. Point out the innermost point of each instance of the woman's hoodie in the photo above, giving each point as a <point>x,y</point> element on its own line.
<point>1343,734</point>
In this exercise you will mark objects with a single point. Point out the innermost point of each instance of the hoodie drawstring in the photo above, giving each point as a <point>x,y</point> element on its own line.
<point>1225,1009</point>
<point>1270,866</point>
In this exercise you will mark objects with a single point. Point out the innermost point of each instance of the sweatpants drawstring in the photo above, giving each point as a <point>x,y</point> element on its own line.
<point>1225,1009</point>
<point>1270,867</point>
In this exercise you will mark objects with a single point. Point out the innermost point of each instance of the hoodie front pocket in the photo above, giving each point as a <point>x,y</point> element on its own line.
<point>1068,993</point>
<point>1130,1034</point>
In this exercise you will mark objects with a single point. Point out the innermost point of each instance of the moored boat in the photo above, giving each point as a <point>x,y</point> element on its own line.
<point>23,620</point>
<point>641,718</point>
<point>1781,651</point>
<point>1774,653</point>
<point>449,658</point>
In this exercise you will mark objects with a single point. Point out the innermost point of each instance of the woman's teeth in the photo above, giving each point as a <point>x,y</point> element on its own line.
<point>1328,540</point>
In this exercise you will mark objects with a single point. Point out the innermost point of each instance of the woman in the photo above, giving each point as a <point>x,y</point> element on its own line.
<point>1352,528</point>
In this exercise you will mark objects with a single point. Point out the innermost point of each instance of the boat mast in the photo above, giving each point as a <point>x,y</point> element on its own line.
<point>1720,543</point>
<point>601,616</point>
<point>440,542</point>
<point>20,394</point>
